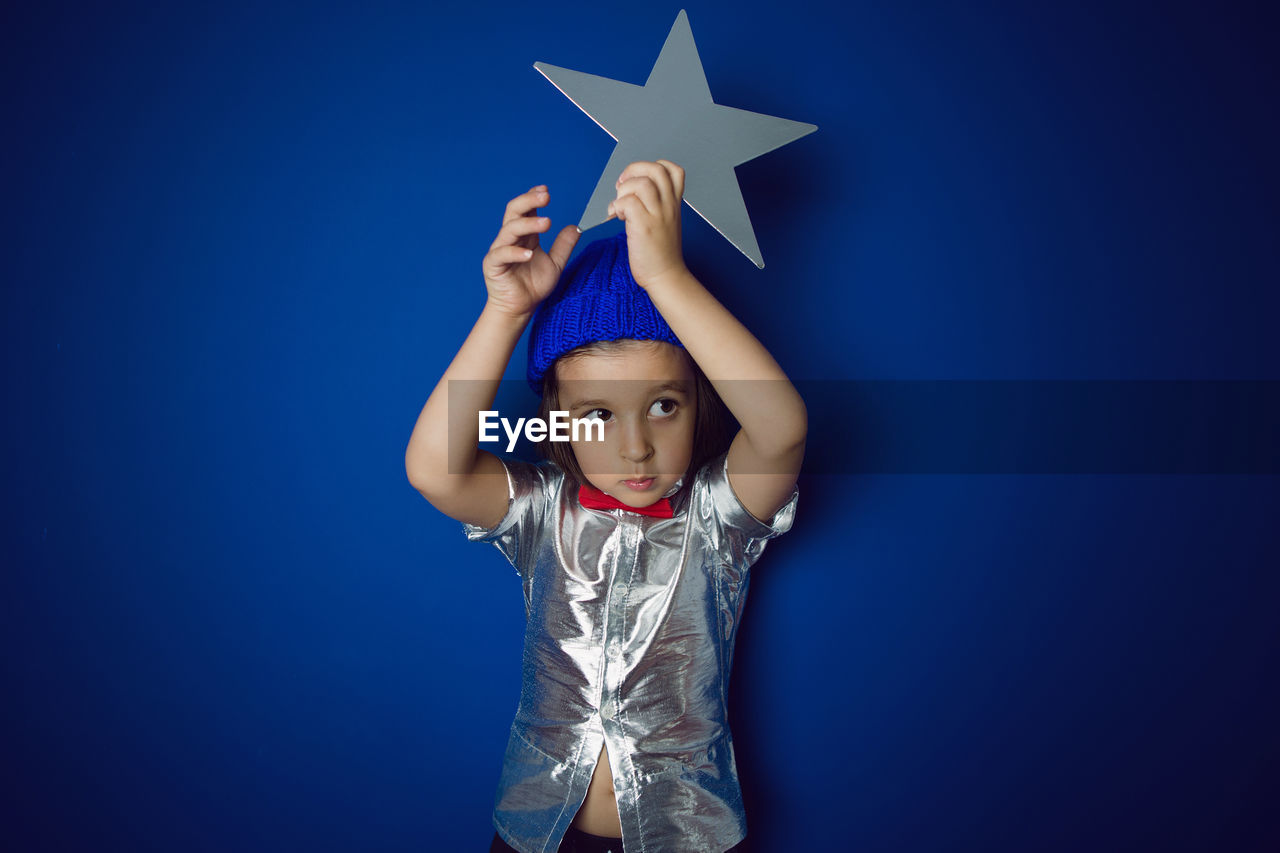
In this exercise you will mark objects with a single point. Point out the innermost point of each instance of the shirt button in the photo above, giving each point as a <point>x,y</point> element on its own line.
<point>607,709</point>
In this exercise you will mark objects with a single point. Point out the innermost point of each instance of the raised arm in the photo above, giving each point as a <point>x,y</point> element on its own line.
<point>442,460</point>
<point>765,456</point>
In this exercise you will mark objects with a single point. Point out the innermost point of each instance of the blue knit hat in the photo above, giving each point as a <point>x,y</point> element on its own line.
<point>595,300</point>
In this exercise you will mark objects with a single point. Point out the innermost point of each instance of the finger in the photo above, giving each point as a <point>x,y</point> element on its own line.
<point>629,208</point>
<point>677,177</point>
<point>646,190</point>
<point>654,172</point>
<point>504,256</point>
<point>525,203</point>
<point>563,246</point>
<point>519,227</point>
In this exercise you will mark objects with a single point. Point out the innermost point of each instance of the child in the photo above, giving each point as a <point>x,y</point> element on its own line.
<point>633,550</point>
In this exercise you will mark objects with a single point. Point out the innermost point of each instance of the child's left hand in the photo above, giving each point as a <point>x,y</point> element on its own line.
<point>649,196</point>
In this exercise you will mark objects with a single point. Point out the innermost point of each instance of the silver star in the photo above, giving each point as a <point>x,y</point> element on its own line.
<point>673,117</point>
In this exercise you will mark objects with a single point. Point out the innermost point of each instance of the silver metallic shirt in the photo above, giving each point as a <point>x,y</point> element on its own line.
<point>628,642</point>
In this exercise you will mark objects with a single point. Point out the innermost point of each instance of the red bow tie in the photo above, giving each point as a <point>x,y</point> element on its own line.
<point>593,498</point>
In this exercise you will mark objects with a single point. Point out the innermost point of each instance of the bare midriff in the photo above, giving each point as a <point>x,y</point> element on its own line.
<point>599,812</point>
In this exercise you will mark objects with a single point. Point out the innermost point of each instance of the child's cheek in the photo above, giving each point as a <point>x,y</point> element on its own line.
<point>590,455</point>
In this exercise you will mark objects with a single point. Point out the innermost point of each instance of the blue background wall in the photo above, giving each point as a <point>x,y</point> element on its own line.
<point>242,241</point>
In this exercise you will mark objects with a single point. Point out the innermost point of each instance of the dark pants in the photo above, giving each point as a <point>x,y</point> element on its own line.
<point>577,841</point>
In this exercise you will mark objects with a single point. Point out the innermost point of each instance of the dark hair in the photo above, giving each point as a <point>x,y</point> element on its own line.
<point>713,429</point>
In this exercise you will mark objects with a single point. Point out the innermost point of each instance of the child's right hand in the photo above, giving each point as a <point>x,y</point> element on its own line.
<point>517,272</point>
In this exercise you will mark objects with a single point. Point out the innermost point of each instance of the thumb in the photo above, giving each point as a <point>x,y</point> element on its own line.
<point>563,245</point>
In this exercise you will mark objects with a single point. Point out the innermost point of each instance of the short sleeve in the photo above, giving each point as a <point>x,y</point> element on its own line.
<point>531,493</point>
<point>730,524</point>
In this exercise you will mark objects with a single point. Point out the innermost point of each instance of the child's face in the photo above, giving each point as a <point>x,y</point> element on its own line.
<point>645,393</point>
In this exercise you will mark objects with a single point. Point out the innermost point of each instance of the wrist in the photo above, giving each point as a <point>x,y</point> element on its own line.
<point>677,277</point>
<point>504,315</point>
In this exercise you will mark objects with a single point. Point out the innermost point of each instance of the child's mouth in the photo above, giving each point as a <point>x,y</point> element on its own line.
<point>639,485</point>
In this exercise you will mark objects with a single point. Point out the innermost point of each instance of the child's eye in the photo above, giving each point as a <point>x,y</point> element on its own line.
<point>602,414</point>
<point>664,408</point>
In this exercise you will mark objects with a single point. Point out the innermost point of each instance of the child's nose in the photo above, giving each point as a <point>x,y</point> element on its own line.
<point>635,445</point>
